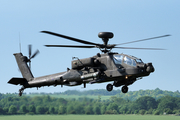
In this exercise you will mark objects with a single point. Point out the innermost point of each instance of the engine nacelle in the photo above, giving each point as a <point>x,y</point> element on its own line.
<point>80,63</point>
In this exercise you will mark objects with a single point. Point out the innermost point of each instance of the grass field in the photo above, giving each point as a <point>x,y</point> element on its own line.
<point>89,117</point>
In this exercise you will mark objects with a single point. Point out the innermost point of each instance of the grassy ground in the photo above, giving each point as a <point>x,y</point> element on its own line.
<point>89,117</point>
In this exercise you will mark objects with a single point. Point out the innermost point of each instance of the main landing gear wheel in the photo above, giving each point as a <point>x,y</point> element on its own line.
<point>124,89</point>
<point>109,87</point>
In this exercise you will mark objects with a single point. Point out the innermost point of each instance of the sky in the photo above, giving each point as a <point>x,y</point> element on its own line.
<point>21,22</point>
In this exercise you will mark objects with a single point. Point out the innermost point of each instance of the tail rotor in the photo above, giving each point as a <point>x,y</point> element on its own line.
<point>31,56</point>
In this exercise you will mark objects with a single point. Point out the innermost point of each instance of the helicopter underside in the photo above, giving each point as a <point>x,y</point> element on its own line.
<point>119,81</point>
<point>117,78</point>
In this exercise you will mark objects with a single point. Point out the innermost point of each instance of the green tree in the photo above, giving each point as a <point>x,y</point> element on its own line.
<point>150,111</point>
<point>166,102</point>
<point>88,109</point>
<point>5,109</point>
<point>40,110</point>
<point>111,112</point>
<point>2,112</point>
<point>96,110</point>
<point>142,112</point>
<point>37,100</point>
<point>123,109</point>
<point>46,99</point>
<point>62,101</point>
<point>70,109</point>
<point>157,112</point>
<point>79,108</point>
<point>146,103</point>
<point>12,109</point>
<point>112,106</point>
<point>168,111</point>
<point>32,109</point>
<point>103,109</point>
<point>177,112</point>
<point>62,109</point>
<point>23,109</point>
<point>51,110</point>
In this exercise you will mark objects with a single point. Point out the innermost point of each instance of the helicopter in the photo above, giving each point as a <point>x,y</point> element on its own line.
<point>121,69</point>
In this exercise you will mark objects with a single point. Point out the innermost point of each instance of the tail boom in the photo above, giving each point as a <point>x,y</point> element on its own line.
<point>22,64</point>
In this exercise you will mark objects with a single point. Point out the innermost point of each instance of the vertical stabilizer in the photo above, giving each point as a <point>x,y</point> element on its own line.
<point>22,64</point>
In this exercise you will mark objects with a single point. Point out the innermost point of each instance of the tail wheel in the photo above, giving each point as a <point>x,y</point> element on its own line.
<point>20,94</point>
<point>124,89</point>
<point>109,87</point>
<point>21,91</point>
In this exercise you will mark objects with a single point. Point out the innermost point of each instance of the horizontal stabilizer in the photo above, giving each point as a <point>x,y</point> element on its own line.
<point>17,81</point>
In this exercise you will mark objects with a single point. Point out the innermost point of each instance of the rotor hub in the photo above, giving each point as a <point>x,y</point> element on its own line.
<point>105,36</point>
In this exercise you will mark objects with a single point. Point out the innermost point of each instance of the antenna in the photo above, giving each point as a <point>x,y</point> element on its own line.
<point>19,42</point>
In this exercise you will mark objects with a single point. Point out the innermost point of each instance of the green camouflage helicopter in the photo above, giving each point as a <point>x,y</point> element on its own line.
<point>122,69</point>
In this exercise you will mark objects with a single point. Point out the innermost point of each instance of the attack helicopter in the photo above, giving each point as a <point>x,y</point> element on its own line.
<point>122,69</point>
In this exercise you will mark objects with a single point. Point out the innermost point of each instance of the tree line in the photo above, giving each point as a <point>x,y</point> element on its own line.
<point>46,104</point>
<point>131,95</point>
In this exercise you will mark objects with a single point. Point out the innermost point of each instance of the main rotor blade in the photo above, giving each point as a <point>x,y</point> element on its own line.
<point>140,48</point>
<point>74,46</point>
<point>37,51</point>
<point>144,39</point>
<point>30,49</point>
<point>70,38</point>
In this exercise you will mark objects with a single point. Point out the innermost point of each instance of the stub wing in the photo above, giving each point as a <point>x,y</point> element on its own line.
<point>16,81</point>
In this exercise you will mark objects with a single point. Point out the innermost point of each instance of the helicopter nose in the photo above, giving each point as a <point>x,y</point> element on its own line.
<point>150,67</point>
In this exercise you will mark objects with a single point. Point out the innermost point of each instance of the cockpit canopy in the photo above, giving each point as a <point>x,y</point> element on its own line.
<point>129,60</point>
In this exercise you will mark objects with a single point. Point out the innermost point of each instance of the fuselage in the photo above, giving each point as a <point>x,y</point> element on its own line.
<point>121,68</point>
<point>97,69</point>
